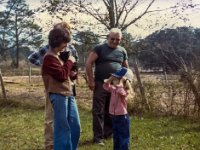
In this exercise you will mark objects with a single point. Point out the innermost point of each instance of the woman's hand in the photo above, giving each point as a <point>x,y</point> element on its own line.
<point>72,59</point>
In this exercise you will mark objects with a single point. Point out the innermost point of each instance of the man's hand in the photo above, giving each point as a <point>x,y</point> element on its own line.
<point>72,58</point>
<point>75,67</point>
<point>73,75</point>
<point>89,63</point>
<point>91,85</point>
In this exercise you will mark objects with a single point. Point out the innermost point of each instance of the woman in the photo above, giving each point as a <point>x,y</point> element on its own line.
<point>36,58</point>
<point>56,78</point>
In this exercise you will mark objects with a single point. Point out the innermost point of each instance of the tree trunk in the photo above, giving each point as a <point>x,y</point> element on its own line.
<point>196,94</point>
<point>2,86</point>
<point>141,87</point>
<point>17,42</point>
<point>192,86</point>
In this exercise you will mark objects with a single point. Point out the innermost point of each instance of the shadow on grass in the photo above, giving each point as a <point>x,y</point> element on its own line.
<point>177,131</point>
<point>86,142</point>
<point>194,129</point>
<point>179,125</point>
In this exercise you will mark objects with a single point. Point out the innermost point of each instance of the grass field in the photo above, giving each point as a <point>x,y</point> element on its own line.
<point>21,128</point>
<point>22,118</point>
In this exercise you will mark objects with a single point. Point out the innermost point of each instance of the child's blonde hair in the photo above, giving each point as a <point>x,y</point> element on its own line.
<point>128,86</point>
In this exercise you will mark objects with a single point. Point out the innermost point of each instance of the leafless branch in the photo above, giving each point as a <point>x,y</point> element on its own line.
<point>128,11</point>
<point>140,16</point>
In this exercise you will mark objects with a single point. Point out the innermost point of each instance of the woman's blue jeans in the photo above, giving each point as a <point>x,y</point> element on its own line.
<point>66,122</point>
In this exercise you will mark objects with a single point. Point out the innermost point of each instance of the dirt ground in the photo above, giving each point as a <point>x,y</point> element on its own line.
<point>25,89</point>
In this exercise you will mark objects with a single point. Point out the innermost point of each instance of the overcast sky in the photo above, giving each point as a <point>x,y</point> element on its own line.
<point>193,16</point>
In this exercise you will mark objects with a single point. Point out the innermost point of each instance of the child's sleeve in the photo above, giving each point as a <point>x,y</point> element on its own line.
<point>122,92</point>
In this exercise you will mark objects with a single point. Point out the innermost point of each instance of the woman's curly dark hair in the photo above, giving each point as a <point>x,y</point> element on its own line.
<point>57,36</point>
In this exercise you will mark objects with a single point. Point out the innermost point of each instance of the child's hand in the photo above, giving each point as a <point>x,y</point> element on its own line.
<point>109,80</point>
<point>106,80</point>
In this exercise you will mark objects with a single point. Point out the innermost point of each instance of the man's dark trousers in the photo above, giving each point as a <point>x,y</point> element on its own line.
<point>102,121</point>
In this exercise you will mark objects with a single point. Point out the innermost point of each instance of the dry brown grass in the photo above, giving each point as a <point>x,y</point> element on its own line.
<point>18,88</point>
<point>163,99</point>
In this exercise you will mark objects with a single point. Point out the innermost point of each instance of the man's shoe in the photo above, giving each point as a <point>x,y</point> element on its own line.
<point>108,136</point>
<point>100,143</point>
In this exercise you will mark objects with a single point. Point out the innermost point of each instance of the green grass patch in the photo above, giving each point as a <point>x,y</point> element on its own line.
<point>21,128</point>
<point>166,133</point>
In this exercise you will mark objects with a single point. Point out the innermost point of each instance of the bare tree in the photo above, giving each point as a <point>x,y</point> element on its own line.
<point>123,13</point>
<point>118,13</point>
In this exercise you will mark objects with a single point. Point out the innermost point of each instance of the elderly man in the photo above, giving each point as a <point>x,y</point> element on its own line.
<point>107,58</point>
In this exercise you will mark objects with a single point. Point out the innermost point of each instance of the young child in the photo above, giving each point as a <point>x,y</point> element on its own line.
<point>119,85</point>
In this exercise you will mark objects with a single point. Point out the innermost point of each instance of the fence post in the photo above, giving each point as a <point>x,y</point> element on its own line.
<point>30,73</point>
<point>2,86</point>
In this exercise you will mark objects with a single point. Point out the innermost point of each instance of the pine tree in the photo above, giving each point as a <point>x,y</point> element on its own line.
<point>21,29</point>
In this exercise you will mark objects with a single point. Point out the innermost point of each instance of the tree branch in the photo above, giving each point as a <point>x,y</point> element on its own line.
<point>140,16</point>
<point>128,11</point>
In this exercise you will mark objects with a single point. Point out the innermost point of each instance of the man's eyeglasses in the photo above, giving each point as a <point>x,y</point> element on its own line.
<point>115,39</point>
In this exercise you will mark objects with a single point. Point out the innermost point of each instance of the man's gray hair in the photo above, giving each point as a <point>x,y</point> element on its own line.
<point>116,30</point>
